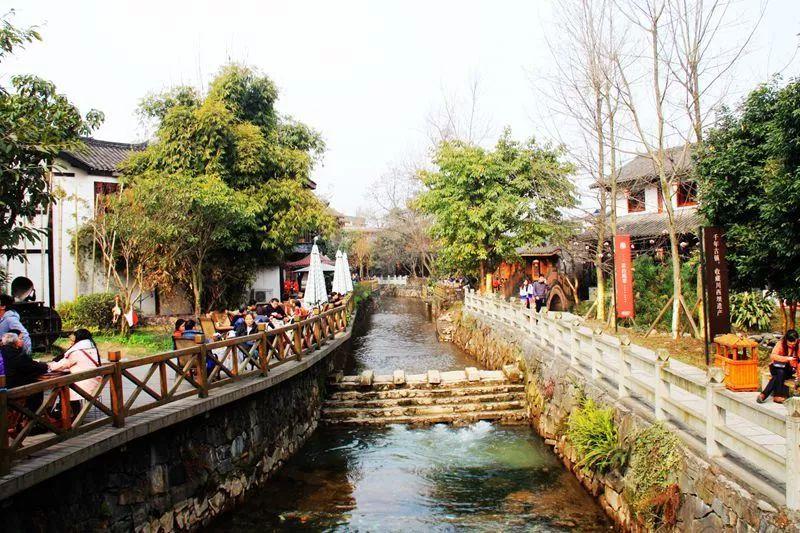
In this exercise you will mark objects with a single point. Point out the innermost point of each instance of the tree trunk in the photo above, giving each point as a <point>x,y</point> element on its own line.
<point>483,277</point>
<point>197,287</point>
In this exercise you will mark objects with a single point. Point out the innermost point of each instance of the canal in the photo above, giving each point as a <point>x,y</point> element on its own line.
<point>477,478</point>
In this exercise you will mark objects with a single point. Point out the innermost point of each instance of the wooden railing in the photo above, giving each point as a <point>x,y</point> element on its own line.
<point>36,416</point>
<point>699,405</point>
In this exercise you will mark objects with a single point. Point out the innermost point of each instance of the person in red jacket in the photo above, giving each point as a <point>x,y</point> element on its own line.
<point>784,361</point>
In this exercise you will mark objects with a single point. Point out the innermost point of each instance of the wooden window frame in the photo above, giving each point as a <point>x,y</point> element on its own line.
<point>636,205</point>
<point>686,193</point>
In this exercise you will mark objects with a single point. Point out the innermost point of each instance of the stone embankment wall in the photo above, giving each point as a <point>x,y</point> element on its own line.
<point>182,476</point>
<point>709,501</point>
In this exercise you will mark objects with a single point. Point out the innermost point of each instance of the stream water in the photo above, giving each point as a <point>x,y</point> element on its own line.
<point>477,478</point>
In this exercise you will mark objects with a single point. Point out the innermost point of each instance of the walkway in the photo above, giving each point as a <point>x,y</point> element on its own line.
<point>748,439</point>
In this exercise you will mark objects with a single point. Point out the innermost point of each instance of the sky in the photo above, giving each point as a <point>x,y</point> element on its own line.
<point>367,75</point>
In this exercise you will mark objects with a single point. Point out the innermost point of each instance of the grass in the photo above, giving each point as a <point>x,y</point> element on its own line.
<point>142,342</point>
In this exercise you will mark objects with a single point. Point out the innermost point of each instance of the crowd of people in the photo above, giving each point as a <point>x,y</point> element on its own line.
<point>247,320</point>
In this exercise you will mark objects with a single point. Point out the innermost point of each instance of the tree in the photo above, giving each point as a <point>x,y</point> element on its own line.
<point>749,172</point>
<point>236,171</point>
<point>486,203</point>
<point>36,123</point>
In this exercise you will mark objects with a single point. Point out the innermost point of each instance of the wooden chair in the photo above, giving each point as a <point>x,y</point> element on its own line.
<point>180,344</point>
<point>207,325</point>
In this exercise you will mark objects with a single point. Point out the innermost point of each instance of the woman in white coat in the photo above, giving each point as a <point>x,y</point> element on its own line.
<point>83,355</point>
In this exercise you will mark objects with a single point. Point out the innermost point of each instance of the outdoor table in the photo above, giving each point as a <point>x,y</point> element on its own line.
<point>224,329</point>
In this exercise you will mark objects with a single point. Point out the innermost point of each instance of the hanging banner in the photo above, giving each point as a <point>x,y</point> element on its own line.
<point>623,276</point>
<point>716,277</point>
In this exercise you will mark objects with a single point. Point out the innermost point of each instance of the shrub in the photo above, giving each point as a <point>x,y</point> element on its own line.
<point>652,285</point>
<point>592,432</point>
<point>751,311</point>
<point>652,473</point>
<point>91,311</point>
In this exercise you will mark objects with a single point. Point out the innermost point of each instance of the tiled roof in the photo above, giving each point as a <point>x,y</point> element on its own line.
<point>101,157</point>
<point>638,225</point>
<point>538,250</point>
<point>641,168</point>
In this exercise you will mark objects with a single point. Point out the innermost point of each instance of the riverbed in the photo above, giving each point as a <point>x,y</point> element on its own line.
<point>477,478</point>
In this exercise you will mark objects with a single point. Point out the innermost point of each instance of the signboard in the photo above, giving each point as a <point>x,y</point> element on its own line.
<point>716,277</point>
<point>623,276</point>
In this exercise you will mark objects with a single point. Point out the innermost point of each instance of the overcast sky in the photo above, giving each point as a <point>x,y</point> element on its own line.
<point>365,74</point>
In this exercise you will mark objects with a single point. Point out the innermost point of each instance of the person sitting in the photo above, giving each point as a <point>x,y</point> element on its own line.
<point>300,311</point>
<point>238,318</point>
<point>248,327</point>
<point>261,314</point>
<point>221,319</point>
<point>190,331</point>
<point>177,333</point>
<point>276,313</point>
<point>9,321</point>
<point>784,358</point>
<point>20,368</point>
<point>83,355</point>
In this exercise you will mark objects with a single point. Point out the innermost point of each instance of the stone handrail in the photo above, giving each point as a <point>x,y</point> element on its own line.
<point>636,372</point>
<point>393,280</point>
<point>128,388</point>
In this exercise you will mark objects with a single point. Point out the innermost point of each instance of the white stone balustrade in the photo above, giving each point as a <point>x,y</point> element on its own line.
<point>393,280</point>
<point>764,439</point>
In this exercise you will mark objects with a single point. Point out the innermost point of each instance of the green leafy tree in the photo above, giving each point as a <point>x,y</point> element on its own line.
<point>36,123</point>
<point>487,203</point>
<point>749,171</point>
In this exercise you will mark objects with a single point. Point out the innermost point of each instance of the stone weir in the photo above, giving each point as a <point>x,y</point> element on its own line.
<point>457,397</point>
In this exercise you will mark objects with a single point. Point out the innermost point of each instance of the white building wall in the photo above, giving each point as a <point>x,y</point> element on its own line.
<point>268,279</point>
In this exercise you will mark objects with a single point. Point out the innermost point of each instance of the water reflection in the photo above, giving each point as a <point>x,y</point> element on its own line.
<point>477,478</point>
<point>399,335</point>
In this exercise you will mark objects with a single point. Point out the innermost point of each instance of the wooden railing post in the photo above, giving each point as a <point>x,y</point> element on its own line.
<point>202,376</point>
<point>263,359</point>
<point>117,401</point>
<point>660,388</point>
<point>715,416</point>
<point>298,340</point>
<point>792,453</point>
<point>5,454</point>
<point>624,371</point>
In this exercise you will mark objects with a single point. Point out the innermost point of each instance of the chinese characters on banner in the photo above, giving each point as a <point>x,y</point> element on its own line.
<point>716,276</point>
<point>623,276</point>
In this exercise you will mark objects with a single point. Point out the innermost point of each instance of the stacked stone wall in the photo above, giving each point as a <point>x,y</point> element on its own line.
<point>709,500</point>
<point>182,476</point>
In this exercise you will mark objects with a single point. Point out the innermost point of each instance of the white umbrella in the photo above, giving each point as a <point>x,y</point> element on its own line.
<point>339,284</point>
<point>325,268</point>
<point>315,292</point>
<point>348,279</point>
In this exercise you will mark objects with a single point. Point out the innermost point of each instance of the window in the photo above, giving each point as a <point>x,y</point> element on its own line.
<point>636,201</point>
<point>687,193</point>
<point>101,189</point>
<point>660,199</point>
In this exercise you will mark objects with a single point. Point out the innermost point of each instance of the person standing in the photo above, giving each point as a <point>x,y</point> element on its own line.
<point>523,294</point>
<point>540,290</point>
<point>784,361</point>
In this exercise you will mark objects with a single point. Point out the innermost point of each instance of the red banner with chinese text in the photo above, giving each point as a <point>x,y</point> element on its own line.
<point>623,276</point>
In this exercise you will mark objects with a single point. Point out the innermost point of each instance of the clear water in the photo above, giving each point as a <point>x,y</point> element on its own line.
<point>477,478</point>
<point>399,335</point>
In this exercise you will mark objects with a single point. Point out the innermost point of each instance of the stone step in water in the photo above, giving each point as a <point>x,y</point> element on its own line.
<point>421,410</point>
<point>463,390</point>
<point>361,403</point>
<point>430,379</point>
<point>518,416</point>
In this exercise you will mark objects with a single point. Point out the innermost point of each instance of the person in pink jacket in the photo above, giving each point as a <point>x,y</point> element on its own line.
<point>83,355</point>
